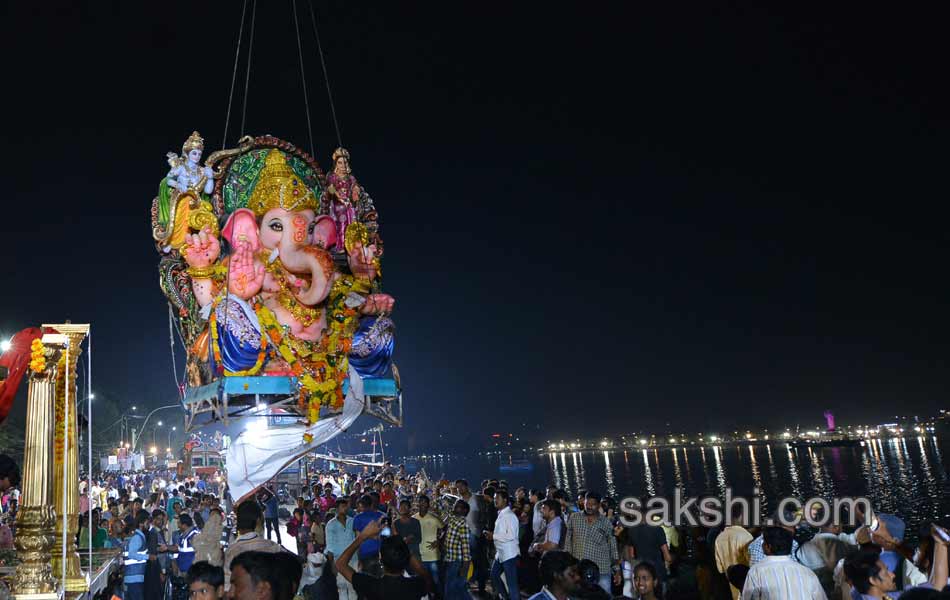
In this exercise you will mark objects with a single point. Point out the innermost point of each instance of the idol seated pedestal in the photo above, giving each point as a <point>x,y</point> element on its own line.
<point>236,397</point>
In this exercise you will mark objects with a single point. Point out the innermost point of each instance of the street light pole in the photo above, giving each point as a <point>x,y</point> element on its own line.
<point>169,445</point>
<point>135,440</point>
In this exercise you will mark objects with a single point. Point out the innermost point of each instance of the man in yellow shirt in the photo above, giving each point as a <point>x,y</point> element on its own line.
<point>429,546</point>
<point>732,546</point>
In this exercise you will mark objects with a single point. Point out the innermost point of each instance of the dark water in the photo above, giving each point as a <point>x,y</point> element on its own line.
<point>907,476</point>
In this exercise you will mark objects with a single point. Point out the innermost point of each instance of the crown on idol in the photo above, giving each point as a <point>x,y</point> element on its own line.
<point>194,141</point>
<point>279,187</point>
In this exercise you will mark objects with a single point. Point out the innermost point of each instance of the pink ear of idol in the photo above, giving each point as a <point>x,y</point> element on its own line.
<point>242,226</point>
<point>324,232</point>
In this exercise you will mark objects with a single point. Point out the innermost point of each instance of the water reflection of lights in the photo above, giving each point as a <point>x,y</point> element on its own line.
<point>756,478</point>
<point>579,471</point>
<point>720,472</point>
<point>677,475</point>
<point>554,470</point>
<point>793,473</point>
<point>648,474</point>
<point>609,475</point>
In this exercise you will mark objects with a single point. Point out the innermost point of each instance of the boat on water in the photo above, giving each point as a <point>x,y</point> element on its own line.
<point>827,442</point>
<point>516,465</point>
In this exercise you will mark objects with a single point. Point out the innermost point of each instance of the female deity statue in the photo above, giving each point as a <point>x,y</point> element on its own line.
<point>344,192</point>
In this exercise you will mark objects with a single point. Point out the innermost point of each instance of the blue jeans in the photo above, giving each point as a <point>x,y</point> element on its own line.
<point>432,566</point>
<point>456,586</point>
<point>134,591</point>
<point>510,567</point>
<point>605,582</point>
<point>479,558</point>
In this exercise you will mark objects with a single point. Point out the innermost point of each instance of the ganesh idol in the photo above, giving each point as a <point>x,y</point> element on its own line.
<point>277,304</point>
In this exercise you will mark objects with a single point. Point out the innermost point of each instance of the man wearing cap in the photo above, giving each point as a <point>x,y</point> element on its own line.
<point>870,578</point>
<point>888,535</point>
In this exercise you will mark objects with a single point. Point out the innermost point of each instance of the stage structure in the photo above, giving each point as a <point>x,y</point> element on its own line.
<point>48,518</point>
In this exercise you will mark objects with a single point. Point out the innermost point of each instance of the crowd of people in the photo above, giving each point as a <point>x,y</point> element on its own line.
<point>393,535</point>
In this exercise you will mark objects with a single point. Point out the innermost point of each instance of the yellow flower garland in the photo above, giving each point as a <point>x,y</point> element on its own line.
<point>322,367</point>
<point>37,356</point>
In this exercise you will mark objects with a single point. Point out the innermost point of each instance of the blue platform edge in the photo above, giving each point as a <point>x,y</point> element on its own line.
<point>278,386</point>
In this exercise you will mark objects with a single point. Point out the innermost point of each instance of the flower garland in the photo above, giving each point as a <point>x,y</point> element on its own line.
<point>37,356</point>
<point>320,367</point>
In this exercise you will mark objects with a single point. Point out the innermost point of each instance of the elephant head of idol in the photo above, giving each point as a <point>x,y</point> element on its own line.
<point>284,233</point>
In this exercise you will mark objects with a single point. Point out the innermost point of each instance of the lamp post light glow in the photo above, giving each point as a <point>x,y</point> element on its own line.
<point>4,345</point>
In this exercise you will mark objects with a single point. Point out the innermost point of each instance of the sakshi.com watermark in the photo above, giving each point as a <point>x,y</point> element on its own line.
<point>712,511</point>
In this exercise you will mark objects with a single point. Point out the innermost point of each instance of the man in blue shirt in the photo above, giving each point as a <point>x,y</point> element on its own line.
<point>369,549</point>
<point>136,558</point>
<point>340,534</point>
<point>270,513</point>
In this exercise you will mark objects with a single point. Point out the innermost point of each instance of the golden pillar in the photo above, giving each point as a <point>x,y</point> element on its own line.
<point>35,521</point>
<point>66,459</point>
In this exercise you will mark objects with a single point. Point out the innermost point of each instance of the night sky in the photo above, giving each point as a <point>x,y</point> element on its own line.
<point>595,220</point>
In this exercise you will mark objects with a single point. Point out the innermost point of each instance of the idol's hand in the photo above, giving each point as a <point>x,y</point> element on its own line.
<point>201,249</point>
<point>246,276</point>
<point>378,304</point>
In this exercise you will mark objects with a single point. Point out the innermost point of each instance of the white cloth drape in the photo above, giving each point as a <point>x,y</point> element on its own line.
<point>256,457</point>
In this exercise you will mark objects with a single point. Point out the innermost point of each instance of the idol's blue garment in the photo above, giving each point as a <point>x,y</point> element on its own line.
<point>239,340</point>
<point>239,335</point>
<point>372,352</point>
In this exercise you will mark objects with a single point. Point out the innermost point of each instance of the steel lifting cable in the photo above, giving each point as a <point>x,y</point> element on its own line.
<point>326,78</point>
<point>247,78</point>
<point>171,345</point>
<point>237,55</point>
<point>303,77</point>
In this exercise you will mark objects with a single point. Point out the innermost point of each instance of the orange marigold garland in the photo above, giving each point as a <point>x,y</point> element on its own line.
<point>321,367</point>
<point>37,356</point>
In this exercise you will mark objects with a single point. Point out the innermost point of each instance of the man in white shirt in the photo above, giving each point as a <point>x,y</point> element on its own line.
<point>505,537</point>
<point>778,576</point>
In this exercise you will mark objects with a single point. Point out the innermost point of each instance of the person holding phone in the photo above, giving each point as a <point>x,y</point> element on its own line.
<point>395,559</point>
